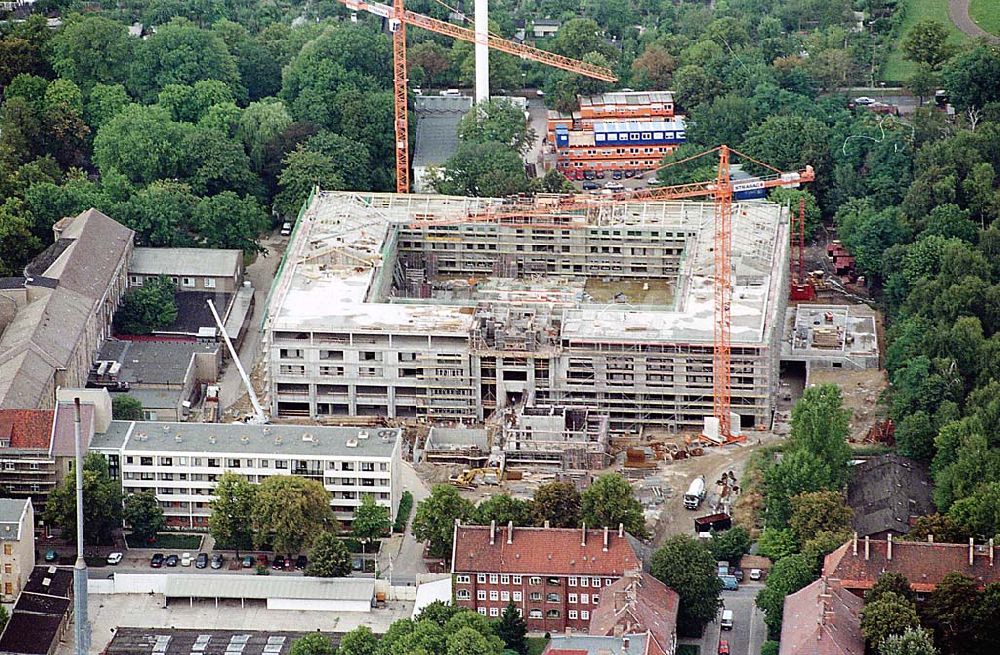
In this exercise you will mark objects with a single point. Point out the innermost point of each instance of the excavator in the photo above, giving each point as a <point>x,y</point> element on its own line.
<point>467,478</point>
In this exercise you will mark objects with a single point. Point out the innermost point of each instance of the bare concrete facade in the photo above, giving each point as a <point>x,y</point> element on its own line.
<point>377,311</point>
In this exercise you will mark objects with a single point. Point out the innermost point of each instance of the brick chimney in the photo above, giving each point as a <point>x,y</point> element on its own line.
<point>510,532</point>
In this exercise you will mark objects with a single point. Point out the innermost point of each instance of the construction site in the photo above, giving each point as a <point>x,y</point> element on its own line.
<point>411,306</point>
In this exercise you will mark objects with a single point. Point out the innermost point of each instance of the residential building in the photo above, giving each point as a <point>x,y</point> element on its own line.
<point>555,576</point>
<point>41,614</point>
<point>639,603</point>
<point>191,269</point>
<point>631,644</point>
<point>858,563</point>
<point>822,618</point>
<point>17,546</point>
<point>447,313</point>
<point>64,308</point>
<point>624,130</point>
<point>182,462</point>
<point>887,493</point>
<point>167,377</point>
<point>436,138</point>
<point>544,27</point>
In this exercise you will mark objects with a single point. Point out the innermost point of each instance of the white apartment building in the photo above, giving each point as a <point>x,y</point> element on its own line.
<point>17,546</point>
<point>183,461</point>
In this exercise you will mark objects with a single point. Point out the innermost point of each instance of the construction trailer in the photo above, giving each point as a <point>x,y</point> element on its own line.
<point>403,305</point>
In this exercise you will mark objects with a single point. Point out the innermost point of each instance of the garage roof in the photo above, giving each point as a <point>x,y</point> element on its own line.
<point>263,587</point>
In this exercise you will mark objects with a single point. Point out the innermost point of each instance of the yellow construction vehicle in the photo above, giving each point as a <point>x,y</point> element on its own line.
<point>467,478</point>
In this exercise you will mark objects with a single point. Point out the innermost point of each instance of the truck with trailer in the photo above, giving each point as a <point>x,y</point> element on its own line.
<point>712,523</point>
<point>695,493</point>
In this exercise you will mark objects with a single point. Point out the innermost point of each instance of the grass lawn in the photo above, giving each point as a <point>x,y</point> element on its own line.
<point>897,69</point>
<point>171,541</point>
<point>536,645</point>
<point>986,14</point>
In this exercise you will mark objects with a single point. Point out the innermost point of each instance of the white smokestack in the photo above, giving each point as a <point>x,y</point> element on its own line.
<point>482,51</point>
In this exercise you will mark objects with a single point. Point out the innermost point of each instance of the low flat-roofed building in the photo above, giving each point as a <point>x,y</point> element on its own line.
<point>183,461</point>
<point>174,641</point>
<point>280,593</point>
<point>17,546</point>
<point>191,269</point>
<point>436,138</point>
<point>41,613</point>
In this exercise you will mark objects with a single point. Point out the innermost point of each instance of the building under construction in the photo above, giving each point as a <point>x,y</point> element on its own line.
<point>407,306</point>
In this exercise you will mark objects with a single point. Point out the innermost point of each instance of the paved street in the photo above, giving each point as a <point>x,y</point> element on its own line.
<point>403,552</point>
<point>749,632</point>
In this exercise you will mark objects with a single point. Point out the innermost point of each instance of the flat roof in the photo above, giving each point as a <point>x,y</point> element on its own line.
<point>51,581</point>
<point>304,440</point>
<point>153,362</point>
<point>264,587</point>
<point>30,634</point>
<point>627,98</point>
<point>639,126</point>
<point>195,262</point>
<point>170,641</point>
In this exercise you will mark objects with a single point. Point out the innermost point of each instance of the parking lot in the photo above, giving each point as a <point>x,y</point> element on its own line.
<point>748,633</point>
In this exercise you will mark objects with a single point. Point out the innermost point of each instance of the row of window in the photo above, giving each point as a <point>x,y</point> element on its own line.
<point>497,578</point>
<point>534,596</point>
<point>537,613</point>
<point>186,282</point>
<point>235,463</point>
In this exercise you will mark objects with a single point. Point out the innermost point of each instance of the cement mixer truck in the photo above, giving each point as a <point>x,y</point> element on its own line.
<point>695,493</point>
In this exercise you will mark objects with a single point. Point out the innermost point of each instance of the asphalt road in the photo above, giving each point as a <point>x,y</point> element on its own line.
<point>749,632</point>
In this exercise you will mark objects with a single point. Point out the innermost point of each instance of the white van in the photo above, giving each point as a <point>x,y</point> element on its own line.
<point>451,93</point>
<point>727,620</point>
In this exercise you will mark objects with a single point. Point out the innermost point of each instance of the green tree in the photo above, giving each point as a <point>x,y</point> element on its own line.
<point>979,514</point>
<point>513,629</point>
<point>730,545</point>
<point>788,575</point>
<point>890,582</point>
<point>578,37</point>
<point>359,641</point>
<point>214,164</point>
<point>912,641</point>
<point>555,182</point>
<point>923,83</point>
<point>435,519</point>
<point>312,644</point>
<point>260,123</point>
<point>687,567</point>
<point>791,197</point>
<point>819,426</point>
<point>503,509</point>
<point>558,503</point>
<point>431,58</point>
<point>161,214</point>
<point>231,521</point>
<point>927,43</point>
<point>144,515</point>
<point>229,221</point>
<point>940,526</point>
<point>102,503</point>
<point>819,511</point>
<point>950,612</point>
<point>187,103</point>
<point>288,511</point>
<point>653,68</point>
<point>497,121</point>
<point>770,648</point>
<point>304,169</point>
<point>17,244</point>
<point>148,308</point>
<point>777,543</point>
<point>468,641</point>
<point>986,616</point>
<point>103,103</point>
<point>92,50</point>
<point>181,53</point>
<point>329,557</point>
<point>126,408</point>
<point>609,501</point>
<point>482,169</point>
<point>371,520</point>
<point>141,142</point>
<point>971,75</point>
<point>352,159</point>
<point>891,614</point>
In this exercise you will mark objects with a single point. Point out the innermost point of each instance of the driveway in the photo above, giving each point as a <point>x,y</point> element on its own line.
<point>261,274</point>
<point>748,633</point>
<point>403,553</point>
<point>958,12</point>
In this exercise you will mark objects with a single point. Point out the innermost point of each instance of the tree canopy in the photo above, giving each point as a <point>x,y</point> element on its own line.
<point>289,512</point>
<point>435,519</point>
<point>102,503</point>
<point>686,566</point>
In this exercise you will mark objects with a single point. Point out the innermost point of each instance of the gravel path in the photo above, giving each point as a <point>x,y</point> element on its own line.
<point>958,11</point>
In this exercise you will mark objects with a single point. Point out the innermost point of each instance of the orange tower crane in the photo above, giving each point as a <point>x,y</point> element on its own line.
<point>399,17</point>
<point>721,189</point>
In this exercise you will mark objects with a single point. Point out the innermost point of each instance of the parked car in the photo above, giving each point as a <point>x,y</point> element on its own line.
<point>578,176</point>
<point>247,561</point>
<point>186,559</point>
<point>727,620</point>
<point>616,175</point>
<point>653,182</point>
<point>51,555</point>
<point>723,647</point>
<point>738,574</point>
<point>599,175</point>
<point>286,229</point>
<point>279,563</point>
<point>301,562</point>
<point>614,186</point>
<point>756,574</point>
<point>729,582</point>
<point>262,559</point>
<point>589,186</point>
<point>629,173</point>
<point>171,561</point>
<point>217,560</point>
<point>115,558</point>
<point>156,561</point>
<point>540,93</point>
<point>588,175</point>
<point>864,100</point>
<point>201,561</point>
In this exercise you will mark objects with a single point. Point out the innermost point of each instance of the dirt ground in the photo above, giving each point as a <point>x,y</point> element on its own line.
<point>861,390</point>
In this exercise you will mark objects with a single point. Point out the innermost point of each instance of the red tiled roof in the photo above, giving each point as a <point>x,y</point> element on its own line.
<point>924,564</point>
<point>26,428</point>
<point>565,651</point>
<point>639,603</point>
<point>542,551</point>
<point>822,619</point>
